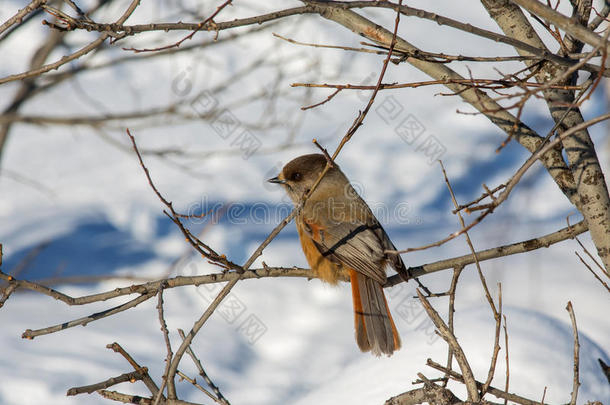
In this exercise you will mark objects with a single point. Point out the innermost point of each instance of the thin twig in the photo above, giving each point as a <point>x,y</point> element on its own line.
<point>205,250</point>
<point>131,377</point>
<point>492,390</point>
<point>358,122</point>
<point>20,15</point>
<point>494,84</point>
<point>201,25</point>
<point>576,382</point>
<point>124,398</point>
<point>512,182</point>
<point>81,52</point>
<point>470,245</point>
<point>168,345</point>
<point>333,94</point>
<point>487,193</point>
<point>31,334</point>
<point>599,266</point>
<point>565,23</point>
<point>219,397</point>
<point>506,357</point>
<point>496,349</point>
<point>196,385</point>
<point>497,314</point>
<point>6,292</point>
<point>146,379</point>
<point>449,337</point>
<point>583,262</point>
<point>543,396</point>
<point>452,289</point>
<point>329,160</point>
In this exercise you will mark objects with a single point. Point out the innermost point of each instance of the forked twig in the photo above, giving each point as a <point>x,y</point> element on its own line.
<point>146,379</point>
<point>88,389</point>
<point>496,313</point>
<point>219,397</point>
<point>449,337</point>
<point>492,390</point>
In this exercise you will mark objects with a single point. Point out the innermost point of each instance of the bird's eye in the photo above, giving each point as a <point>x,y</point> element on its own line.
<point>296,176</point>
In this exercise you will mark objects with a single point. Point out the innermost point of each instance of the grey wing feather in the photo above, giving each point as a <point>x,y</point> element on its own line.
<point>357,246</point>
<point>394,259</point>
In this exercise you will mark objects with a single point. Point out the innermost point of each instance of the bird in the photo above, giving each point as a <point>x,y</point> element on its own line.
<point>342,239</point>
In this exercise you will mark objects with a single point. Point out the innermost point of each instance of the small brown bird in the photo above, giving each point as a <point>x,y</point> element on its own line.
<point>341,238</point>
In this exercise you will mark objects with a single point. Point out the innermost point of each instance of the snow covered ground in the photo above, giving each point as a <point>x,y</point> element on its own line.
<point>91,202</point>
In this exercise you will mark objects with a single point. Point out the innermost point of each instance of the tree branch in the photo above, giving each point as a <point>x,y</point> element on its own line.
<point>565,23</point>
<point>65,59</point>
<point>18,17</point>
<point>576,382</point>
<point>478,99</point>
<point>473,394</point>
<point>88,389</point>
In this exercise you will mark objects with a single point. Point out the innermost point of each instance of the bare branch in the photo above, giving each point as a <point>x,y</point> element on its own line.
<point>583,262</point>
<point>493,84</point>
<point>478,99</point>
<point>150,384</point>
<point>473,394</point>
<point>565,23</point>
<point>6,293</point>
<point>31,334</point>
<point>451,313</point>
<point>506,358</point>
<point>168,347</point>
<point>201,25</point>
<point>541,52</point>
<point>18,17</point>
<point>83,51</point>
<point>599,266</point>
<point>219,397</point>
<point>416,271</point>
<point>429,393</point>
<point>590,194</point>
<point>196,385</point>
<point>492,390</point>
<point>138,400</point>
<point>128,30</point>
<point>88,389</point>
<point>124,398</point>
<point>576,382</point>
<point>600,17</point>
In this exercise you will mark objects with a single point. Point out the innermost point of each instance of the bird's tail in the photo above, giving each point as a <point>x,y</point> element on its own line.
<point>375,329</point>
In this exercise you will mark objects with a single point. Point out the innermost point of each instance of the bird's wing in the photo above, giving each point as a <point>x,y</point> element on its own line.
<point>393,259</point>
<point>356,245</point>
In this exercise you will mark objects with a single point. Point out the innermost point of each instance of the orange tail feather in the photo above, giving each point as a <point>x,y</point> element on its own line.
<point>375,328</point>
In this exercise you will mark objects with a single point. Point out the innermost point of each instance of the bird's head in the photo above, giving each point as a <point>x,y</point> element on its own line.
<point>300,174</point>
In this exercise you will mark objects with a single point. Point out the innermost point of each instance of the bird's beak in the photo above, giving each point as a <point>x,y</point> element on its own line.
<point>277,180</point>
